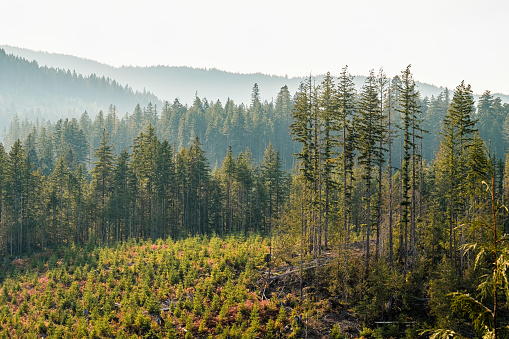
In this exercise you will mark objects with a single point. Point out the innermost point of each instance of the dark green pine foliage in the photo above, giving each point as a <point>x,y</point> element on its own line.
<point>199,175</point>
<point>477,165</point>
<point>59,179</point>
<point>227,180</point>
<point>382,82</point>
<point>491,116</point>
<point>457,136</point>
<point>283,119</point>
<point>328,108</point>
<point>302,132</point>
<point>255,115</point>
<point>192,178</point>
<point>45,151</point>
<point>244,175</point>
<point>145,148</point>
<point>273,178</point>
<point>80,192</point>
<point>301,128</point>
<point>4,232</point>
<point>31,149</point>
<point>122,198</point>
<point>370,134</point>
<point>101,185</point>
<point>215,139</point>
<point>346,106</point>
<point>165,186</point>
<point>408,109</point>
<point>15,188</point>
<point>433,118</point>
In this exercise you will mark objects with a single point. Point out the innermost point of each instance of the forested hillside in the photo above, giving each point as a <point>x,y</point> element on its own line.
<point>169,82</point>
<point>391,220</point>
<point>36,92</point>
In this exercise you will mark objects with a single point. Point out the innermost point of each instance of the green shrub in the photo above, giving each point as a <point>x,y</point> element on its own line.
<point>336,332</point>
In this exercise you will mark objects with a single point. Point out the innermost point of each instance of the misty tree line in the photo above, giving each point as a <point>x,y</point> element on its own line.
<point>218,126</point>
<point>151,191</point>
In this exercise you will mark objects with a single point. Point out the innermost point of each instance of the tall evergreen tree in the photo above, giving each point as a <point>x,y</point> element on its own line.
<point>457,134</point>
<point>102,178</point>
<point>347,106</point>
<point>273,179</point>
<point>370,134</point>
<point>15,189</point>
<point>408,109</point>
<point>328,106</point>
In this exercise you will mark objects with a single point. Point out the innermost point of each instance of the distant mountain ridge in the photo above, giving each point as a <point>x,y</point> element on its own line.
<point>184,83</point>
<point>32,92</point>
<point>166,82</point>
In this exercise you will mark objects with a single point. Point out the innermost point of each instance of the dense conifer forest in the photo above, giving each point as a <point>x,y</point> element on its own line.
<point>332,212</point>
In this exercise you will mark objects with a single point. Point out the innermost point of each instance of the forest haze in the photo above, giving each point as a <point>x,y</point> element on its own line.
<point>167,83</point>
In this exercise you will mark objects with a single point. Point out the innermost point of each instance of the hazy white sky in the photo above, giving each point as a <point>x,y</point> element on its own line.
<point>446,41</point>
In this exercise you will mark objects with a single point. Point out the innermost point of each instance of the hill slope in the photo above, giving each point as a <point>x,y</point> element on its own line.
<point>33,92</point>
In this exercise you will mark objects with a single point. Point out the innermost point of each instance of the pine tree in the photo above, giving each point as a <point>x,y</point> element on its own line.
<point>370,134</point>
<point>122,196</point>
<point>59,179</point>
<point>346,103</point>
<point>283,117</point>
<point>102,178</point>
<point>15,191</point>
<point>302,132</point>
<point>145,148</point>
<point>228,173</point>
<point>199,175</point>
<point>408,109</point>
<point>3,185</point>
<point>245,180</point>
<point>165,185</point>
<point>379,160</point>
<point>491,122</point>
<point>457,132</point>
<point>328,106</point>
<point>273,180</point>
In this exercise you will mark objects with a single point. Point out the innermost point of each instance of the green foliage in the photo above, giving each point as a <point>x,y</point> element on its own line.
<point>445,281</point>
<point>282,317</point>
<point>383,294</point>
<point>367,333</point>
<point>336,332</point>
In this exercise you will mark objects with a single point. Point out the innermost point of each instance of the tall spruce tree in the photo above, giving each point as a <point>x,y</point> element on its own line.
<point>408,109</point>
<point>328,108</point>
<point>457,135</point>
<point>346,105</point>
<point>302,132</point>
<point>273,179</point>
<point>102,178</point>
<point>370,134</point>
<point>382,82</point>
